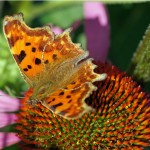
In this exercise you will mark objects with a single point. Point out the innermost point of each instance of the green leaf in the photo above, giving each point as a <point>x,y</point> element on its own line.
<point>12,147</point>
<point>64,16</point>
<point>140,65</point>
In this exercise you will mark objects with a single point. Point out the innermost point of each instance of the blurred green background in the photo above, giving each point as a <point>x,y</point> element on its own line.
<point>128,23</point>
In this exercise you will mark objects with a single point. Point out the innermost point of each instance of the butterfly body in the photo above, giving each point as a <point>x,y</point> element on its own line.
<point>54,67</point>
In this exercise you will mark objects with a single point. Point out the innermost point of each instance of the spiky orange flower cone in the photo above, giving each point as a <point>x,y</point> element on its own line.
<point>121,119</point>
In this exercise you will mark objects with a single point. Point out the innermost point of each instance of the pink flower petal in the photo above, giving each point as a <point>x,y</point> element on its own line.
<point>56,30</point>
<point>7,103</point>
<point>97,30</point>
<point>7,119</point>
<point>7,139</point>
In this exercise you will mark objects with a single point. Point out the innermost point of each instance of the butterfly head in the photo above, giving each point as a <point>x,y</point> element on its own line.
<point>32,101</point>
<point>39,93</point>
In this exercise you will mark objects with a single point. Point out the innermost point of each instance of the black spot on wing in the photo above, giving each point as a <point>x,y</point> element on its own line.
<point>37,61</point>
<point>46,62</point>
<point>28,44</point>
<point>54,56</point>
<point>25,69</point>
<point>19,58</point>
<point>51,101</point>
<point>55,106</point>
<point>33,49</point>
<point>29,66</point>
<point>70,101</point>
<point>61,93</point>
<point>68,96</point>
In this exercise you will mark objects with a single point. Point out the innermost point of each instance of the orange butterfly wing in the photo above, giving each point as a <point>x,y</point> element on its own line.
<point>70,101</point>
<point>53,66</point>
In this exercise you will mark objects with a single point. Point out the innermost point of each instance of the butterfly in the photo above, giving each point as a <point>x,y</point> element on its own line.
<point>55,68</point>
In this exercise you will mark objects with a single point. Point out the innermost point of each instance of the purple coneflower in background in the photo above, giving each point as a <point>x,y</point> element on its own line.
<point>8,105</point>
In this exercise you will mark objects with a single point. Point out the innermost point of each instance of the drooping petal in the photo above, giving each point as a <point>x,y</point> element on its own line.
<point>8,104</point>
<point>97,30</point>
<point>7,119</point>
<point>7,139</point>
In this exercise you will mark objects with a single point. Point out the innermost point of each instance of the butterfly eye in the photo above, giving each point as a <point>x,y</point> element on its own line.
<point>32,101</point>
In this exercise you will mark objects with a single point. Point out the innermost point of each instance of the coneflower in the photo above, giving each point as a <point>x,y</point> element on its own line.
<point>121,119</point>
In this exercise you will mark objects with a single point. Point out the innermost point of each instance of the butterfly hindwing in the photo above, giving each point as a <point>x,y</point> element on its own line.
<point>70,103</point>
